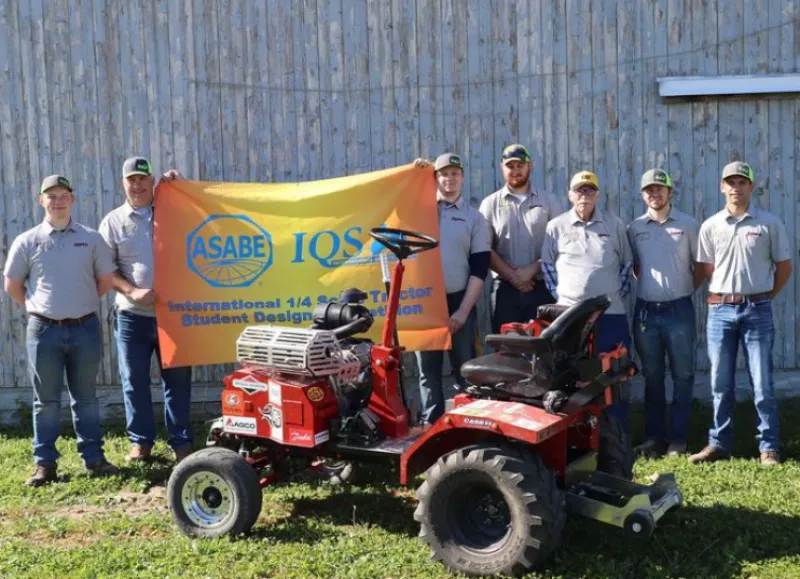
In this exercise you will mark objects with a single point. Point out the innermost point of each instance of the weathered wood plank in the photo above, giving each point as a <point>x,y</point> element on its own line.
<point>135,115</point>
<point>581,103</point>
<point>282,120</point>
<point>680,145</point>
<point>603,88</point>
<point>404,78</point>
<point>356,87</point>
<point>258,135</point>
<point>182,86</point>
<point>481,167</point>
<point>504,58</point>
<point>429,59</point>
<point>382,110</point>
<point>331,63</point>
<point>528,22</point>
<point>554,36</point>
<point>629,108</point>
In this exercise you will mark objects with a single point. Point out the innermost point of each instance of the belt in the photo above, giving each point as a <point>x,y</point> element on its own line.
<point>662,305</point>
<point>737,298</point>
<point>65,323</point>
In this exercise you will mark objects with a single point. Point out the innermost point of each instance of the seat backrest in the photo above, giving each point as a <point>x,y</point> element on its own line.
<point>570,330</point>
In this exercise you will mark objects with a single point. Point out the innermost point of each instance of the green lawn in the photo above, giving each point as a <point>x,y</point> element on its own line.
<point>740,520</point>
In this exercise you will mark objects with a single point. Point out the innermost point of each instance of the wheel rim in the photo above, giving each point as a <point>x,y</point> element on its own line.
<point>480,518</point>
<point>207,499</point>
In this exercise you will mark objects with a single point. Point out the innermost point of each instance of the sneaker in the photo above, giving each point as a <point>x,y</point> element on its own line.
<point>139,453</point>
<point>102,468</point>
<point>709,454</point>
<point>650,447</point>
<point>676,449</point>
<point>182,452</point>
<point>770,458</point>
<point>43,475</point>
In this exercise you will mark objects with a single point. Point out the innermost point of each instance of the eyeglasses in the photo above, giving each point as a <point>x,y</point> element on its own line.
<point>585,191</point>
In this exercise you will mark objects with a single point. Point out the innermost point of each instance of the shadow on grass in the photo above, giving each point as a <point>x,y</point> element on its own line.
<point>707,542</point>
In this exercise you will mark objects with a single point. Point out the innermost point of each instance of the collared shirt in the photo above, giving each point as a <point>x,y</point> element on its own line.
<point>744,251</point>
<point>664,254</point>
<point>128,232</point>
<point>518,226</point>
<point>586,259</point>
<point>60,269</point>
<point>463,232</point>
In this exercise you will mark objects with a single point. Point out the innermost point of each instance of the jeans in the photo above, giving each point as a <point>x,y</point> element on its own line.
<point>137,340</point>
<point>511,305</point>
<point>430,363</point>
<point>51,351</point>
<point>748,324</point>
<point>610,331</point>
<point>659,329</point>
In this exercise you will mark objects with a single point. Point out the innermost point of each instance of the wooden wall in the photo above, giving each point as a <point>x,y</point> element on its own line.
<point>309,89</point>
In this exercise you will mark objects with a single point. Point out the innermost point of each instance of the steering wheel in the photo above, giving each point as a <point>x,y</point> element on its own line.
<point>402,242</point>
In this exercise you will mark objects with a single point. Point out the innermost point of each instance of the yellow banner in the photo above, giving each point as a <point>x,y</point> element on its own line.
<point>229,255</point>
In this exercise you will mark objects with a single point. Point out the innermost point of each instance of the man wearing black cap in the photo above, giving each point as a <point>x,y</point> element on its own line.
<point>746,255</point>
<point>517,216</point>
<point>57,272</point>
<point>128,232</point>
<point>464,244</point>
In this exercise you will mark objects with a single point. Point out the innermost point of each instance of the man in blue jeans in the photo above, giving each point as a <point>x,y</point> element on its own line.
<point>464,244</point>
<point>745,252</point>
<point>57,271</point>
<point>128,232</point>
<point>586,254</point>
<point>664,244</point>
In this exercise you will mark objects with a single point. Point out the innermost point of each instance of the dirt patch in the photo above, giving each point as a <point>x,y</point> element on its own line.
<point>131,503</point>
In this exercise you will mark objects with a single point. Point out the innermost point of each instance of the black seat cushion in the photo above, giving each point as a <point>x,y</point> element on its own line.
<point>517,343</point>
<point>570,330</point>
<point>549,312</point>
<point>493,369</point>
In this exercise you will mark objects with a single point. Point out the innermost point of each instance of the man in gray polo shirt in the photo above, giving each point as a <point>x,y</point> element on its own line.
<point>57,272</point>
<point>586,254</point>
<point>128,232</point>
<point>517,215</point>
<point>464,245</point>
<point>664,244</point>
<point>746,254</point>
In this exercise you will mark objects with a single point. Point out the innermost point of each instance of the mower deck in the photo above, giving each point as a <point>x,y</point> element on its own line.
<point>628,505</point>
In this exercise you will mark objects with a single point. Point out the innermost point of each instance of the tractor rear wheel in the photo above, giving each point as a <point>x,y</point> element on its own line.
<point>490,509</point>
<point>615,455</point>
<point>214,492</point>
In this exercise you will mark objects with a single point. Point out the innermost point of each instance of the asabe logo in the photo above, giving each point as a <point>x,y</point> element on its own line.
<point>229,250</point>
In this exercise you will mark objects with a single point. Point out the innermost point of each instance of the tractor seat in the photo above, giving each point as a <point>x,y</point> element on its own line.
<point>500,367</point>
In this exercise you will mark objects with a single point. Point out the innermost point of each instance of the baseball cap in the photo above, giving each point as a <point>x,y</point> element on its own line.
<point>136,166</point>
<point>515,152</point>
<point>582,178</point>
<point>55,181</point>
<point>448,160</point>
<point>738,168</point>
<point>656,177</point>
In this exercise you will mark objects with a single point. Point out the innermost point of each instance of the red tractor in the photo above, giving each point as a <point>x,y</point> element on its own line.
<point>527,441</point>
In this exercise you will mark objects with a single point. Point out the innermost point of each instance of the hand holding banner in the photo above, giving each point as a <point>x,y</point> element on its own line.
<point>228,255</point>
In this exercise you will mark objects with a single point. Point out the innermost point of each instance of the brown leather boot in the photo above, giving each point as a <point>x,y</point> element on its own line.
<point>182,453</point>
<point>139,453</point>
<point>770,458</point>
<point>43,475</point>
<point>709,454</point>
<point>102,468</point>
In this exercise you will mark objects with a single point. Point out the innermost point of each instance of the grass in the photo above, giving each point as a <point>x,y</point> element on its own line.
<point>740,521</point>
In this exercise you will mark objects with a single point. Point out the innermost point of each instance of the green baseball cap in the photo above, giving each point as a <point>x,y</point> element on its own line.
<point>448,160</point>
<point>136,166</point>
<point>515,152</point>
<point>656,177</point>
<point>54,181</point>
<point>738,168</point>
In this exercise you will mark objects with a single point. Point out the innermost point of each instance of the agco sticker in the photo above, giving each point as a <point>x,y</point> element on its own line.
<point>315,394</point>
<point>232,399</point>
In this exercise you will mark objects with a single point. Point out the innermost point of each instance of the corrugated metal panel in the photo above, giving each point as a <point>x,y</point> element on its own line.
<point>228,89</point>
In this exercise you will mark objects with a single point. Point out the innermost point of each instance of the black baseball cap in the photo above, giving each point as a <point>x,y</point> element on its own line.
<point>136,166</point>
<point>515,152</point>
<point>448,160</point>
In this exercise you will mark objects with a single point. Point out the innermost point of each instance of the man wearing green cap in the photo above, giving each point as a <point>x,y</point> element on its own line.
<point>128,232</point>
<point>745,253</point>
<point>517,215</point>
<point>664,244</point>
<point>464,245</point>
<point>57,272</point>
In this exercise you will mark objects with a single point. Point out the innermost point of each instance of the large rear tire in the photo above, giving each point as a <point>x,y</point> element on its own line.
<point>490,509</point>
<point>615,455</point>
<point>214,492</point>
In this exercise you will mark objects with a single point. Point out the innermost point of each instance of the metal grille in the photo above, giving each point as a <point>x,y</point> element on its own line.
<point>293,350</point>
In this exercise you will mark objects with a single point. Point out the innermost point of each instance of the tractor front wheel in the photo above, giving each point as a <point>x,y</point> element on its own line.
<point>490,509</point>
<point>214,492</point>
